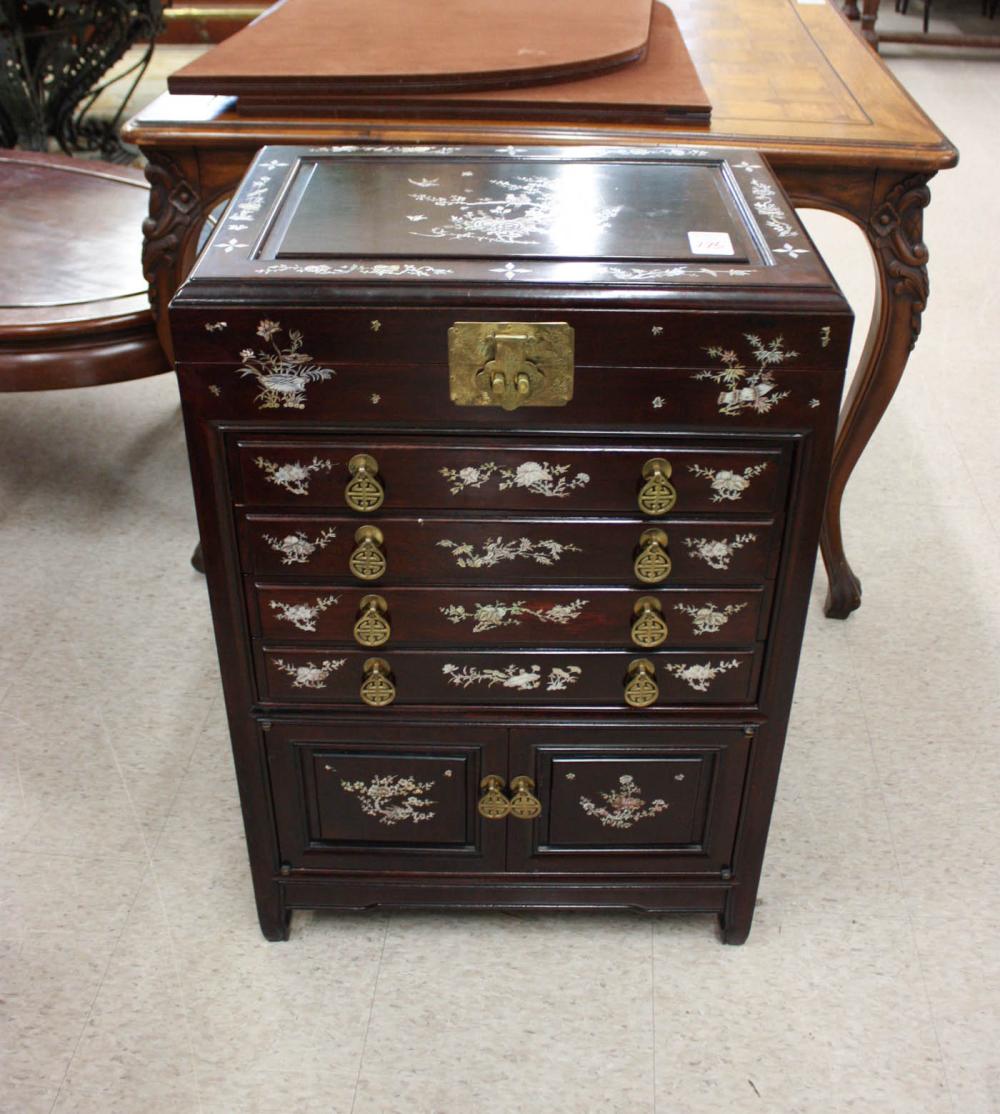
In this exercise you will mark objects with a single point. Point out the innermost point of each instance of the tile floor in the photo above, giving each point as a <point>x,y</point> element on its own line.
<point>133,976</point>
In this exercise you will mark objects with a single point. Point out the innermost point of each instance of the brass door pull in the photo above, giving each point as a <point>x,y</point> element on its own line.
<point>524,804</point>
<point>367,561</point>
<point>641,688</point>
<point>657,495</point>
<point>652,563</point>
<point>649,628</point>
<point>363,492</point>
<point>372,627</point>
<point>493,805</point>
<point>377,688</point>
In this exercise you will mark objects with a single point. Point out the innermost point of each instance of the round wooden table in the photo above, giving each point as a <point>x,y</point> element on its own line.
<point>74,306</point>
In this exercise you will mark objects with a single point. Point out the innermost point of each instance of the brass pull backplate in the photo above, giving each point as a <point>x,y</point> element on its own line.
<point>493,805</point>
<point>363,491</point>
<point>649,628</point>
<point>377,689</point>
<point>510,364</point>
<point>652,563</point>
<point>657,495</point>
<point>524,804</point>
<point>372,628</point>
<point>641,688</point>
<point>367,562</point>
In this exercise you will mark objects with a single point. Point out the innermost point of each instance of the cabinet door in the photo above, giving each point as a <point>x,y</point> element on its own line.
<point>386,798</point>
<point>629,800</point>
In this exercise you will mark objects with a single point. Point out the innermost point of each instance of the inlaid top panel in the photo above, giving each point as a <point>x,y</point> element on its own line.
<point>502,207</point>
<point>510,217</point>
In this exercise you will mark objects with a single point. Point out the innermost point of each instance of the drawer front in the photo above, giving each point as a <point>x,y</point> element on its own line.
<point>331,676</point>
<point>392,616</point>
<point>354,799</point>
<point>438,475</point>
<point>629,800</point>
<point>473,551</point>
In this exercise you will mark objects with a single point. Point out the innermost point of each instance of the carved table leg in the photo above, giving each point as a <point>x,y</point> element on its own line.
<point>851,9</point>
<point>176,213</point>
<point>869,14</point>
<point>895,231</point>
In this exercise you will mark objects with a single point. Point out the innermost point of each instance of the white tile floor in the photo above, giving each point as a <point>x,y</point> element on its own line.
<point>134,978</point>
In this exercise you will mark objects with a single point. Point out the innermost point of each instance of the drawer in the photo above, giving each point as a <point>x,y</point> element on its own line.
<point>630,799</point>
<point>356,798</point>
<point>443,475</point>
<point>319,675</point>
<point>395,616</point>
<point>490,551</point>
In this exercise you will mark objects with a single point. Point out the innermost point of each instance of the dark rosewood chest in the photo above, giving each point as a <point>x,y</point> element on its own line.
<point>509,467</point>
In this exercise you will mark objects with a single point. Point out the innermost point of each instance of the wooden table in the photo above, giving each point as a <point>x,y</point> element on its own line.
<point>866,11</point>
<point>787,78</point>
<point>73,304</point>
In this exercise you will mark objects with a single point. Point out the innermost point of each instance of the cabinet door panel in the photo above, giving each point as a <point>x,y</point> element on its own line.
<point>396,798</point>
<point>659,800</point>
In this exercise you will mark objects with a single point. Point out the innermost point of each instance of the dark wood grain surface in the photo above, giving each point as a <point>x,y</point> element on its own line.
<point>527,524</point>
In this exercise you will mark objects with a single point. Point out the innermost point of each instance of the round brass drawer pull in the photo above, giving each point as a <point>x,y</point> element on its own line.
<point>372,627</point>
<point>652,563</point>
<point>657,495</point>
<point>649,628</point>
<point>524,804</point>
<point>493,805</point>
<point>367,561</point>
<point>641,688</point>
<point>363,492</point>
<point>377,689</point>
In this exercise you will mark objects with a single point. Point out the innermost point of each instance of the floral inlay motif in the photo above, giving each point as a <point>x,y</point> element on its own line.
<point>304,615</point>
<point>365,270</point>
<point>296,549</point>
<point>293,476</point>
<point>623,807</point>
<point>283,373</point>
<point>490,616</point>
<point>708,619</point>
<point>310,675</point>
<point>719,552</point>
<point>521,209</point>
<point>493,551</point>
<point>215,390</point>
<point>775,217</point>
<point>215,326</point>
<point>726,485</point>
<point>824,336</point>
<point>519,677</point>
<point>700,676</point>
<point>678,270</point>
<point>748,390</point>
<point>538,477</point>
<point>249,205</point>
<point>391,799</point>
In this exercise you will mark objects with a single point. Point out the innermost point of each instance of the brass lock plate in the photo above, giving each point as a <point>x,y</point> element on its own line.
<point>510,364</point>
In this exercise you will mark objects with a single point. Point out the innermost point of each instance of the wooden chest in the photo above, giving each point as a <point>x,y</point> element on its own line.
<point>509,467</point>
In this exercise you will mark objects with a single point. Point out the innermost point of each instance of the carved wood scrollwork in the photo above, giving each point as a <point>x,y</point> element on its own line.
<point>897,228</point>
<point>174,209</point>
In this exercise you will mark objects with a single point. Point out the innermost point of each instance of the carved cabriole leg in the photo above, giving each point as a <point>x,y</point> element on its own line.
<point>889,208</point>
<point>869,14</point>
<point>895,231</point>
<point>176,213</point>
